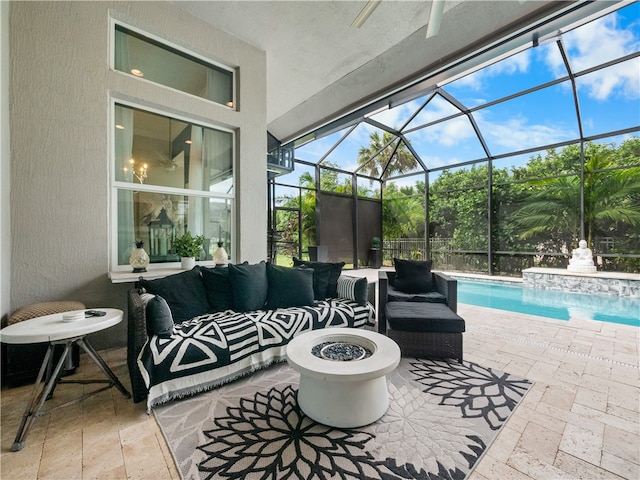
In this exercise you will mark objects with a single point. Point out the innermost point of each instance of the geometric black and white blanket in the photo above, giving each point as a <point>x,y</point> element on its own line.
<point>442,418</point>
<point>213,349</point>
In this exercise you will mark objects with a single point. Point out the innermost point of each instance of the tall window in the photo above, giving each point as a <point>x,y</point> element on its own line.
<point>170,175</point>
<point>144,57</point>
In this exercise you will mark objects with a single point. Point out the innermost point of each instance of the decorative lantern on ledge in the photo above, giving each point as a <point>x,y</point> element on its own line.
<point>161,236</point>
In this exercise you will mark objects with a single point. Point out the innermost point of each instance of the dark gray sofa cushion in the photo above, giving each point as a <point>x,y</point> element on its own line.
<point>218,285</point>
<point>184,293</point>
<point>249,285</point>
<point>325,277</point>
<point>289,287</point>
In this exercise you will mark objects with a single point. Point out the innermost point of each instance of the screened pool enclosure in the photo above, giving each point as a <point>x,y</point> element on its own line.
<point>488,167</point>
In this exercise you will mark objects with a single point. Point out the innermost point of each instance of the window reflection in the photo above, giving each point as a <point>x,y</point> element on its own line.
<point>158,218</point>
<point>144,57</point>
<point>171,152</point>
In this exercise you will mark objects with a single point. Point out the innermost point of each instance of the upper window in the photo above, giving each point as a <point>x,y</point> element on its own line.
<point>144,57</point>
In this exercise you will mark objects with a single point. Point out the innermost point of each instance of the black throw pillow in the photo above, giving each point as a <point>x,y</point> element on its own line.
<point>249,285</point>
<point>289,287</point>
<point>218,286</point>
<point>353,288</point>
<point>184,292</point>
<point>413,276</point>
<point>325,277</point>
<point>159,319</point>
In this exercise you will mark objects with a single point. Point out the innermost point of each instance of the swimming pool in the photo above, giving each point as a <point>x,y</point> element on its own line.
<point>514,297</point>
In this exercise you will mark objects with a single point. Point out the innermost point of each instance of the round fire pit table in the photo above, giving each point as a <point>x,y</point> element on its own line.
<point>339,390</point>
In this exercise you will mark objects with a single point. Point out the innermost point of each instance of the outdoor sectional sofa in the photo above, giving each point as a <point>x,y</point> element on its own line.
<point>201,328</point>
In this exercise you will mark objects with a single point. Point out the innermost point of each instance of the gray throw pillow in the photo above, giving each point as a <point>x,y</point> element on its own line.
<point>353,288</point>
<point>159,318</point>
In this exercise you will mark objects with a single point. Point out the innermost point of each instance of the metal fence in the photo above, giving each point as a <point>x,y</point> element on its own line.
<point>504,263</point>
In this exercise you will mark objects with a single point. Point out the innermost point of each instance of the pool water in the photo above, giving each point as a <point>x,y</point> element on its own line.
<point>549,303</point>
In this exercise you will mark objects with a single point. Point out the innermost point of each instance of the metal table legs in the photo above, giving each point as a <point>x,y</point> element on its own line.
<point>44,390</point>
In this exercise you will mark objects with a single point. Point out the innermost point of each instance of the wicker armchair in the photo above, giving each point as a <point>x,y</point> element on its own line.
<point>443,284</point>
<point>423,327</point>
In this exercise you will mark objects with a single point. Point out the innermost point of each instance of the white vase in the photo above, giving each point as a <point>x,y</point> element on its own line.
<point>187,263</point>
<point>220,257</point>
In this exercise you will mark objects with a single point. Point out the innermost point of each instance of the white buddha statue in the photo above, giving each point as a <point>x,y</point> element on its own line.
<point>581,259</point>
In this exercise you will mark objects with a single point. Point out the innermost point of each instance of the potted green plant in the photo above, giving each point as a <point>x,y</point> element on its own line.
<point>188,248</point>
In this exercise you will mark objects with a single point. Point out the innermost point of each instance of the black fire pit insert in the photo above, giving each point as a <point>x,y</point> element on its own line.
<point>340,351</point>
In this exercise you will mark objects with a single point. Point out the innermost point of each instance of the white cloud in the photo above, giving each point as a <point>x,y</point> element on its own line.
<point>517,133</point>
<point>436,109</point>
<point>449,133</point>
<point>595,43</point>
<point>396,116</point>
<point>518,63</point>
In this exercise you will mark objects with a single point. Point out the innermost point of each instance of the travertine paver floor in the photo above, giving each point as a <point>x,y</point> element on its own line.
<point>580,419</point>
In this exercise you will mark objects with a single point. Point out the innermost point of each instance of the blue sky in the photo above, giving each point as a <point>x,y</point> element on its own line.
<point>609,100</point>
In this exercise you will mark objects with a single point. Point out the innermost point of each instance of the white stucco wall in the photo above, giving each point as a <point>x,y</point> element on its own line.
<point>61,87</point>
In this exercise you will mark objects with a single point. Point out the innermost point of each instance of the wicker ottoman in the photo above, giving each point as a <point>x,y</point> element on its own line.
<point>425,330</point>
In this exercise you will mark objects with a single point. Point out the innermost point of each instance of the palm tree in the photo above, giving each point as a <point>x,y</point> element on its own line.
<point>308,209</point>
<point>610,195</point>
<point>379,160</point>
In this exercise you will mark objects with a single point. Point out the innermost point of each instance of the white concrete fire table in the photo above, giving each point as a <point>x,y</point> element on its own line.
<point>343,394</point>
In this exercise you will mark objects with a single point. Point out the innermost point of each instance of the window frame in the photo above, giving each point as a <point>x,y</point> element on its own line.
<point>178,49</point>
<point>117,185</point>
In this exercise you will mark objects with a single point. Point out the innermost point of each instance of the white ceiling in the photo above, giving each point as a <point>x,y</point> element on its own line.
<point>318,66</point>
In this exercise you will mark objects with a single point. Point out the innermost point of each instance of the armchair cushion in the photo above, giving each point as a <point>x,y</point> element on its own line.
<point>395,295</point>
<point>413,276</point>
<point>414,317</point>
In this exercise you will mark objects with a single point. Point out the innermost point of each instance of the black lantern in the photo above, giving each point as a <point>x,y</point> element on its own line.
<point>161,236</point>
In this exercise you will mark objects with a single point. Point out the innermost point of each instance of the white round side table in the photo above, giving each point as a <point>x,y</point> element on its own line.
<point>54,330</point>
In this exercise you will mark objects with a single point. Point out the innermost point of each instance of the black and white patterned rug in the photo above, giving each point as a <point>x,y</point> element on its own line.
<point>442,418</point>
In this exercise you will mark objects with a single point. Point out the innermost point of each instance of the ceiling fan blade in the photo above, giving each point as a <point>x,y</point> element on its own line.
<point>365,13</point>
<point>435,16</point>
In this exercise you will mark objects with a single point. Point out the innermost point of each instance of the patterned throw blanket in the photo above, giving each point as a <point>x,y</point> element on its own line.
<point>216,348</point>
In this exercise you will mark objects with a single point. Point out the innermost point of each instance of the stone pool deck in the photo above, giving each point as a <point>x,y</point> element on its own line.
<point>579,420</point>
